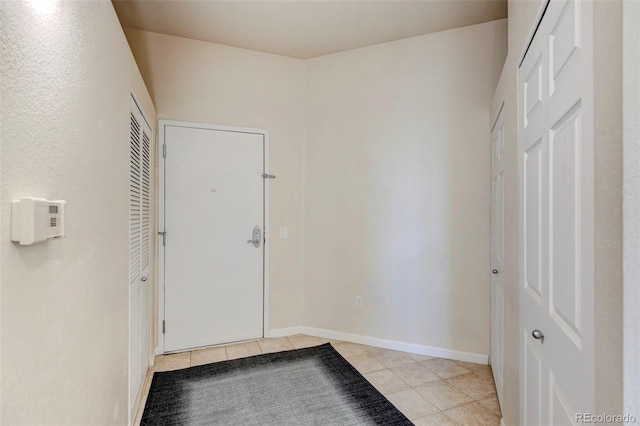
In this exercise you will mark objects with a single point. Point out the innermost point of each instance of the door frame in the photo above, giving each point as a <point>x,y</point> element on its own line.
<point>162,124</point>
<point>631,203</point>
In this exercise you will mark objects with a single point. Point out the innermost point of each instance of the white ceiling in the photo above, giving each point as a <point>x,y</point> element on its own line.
<point>304,29</point>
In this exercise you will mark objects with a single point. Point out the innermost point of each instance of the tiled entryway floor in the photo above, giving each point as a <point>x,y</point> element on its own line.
<point>429,391</point>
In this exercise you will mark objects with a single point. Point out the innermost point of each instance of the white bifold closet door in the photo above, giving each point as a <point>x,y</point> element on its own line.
<point>139,253</point>
<point>556,217</point>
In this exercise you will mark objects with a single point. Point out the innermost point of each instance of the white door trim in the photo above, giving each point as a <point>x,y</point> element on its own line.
<point>162,124</point>
<point>631,202</point>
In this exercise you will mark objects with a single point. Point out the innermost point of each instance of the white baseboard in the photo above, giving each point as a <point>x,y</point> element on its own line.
<point>383,343</point>
<point>502,422</point>
<point>288,331</point>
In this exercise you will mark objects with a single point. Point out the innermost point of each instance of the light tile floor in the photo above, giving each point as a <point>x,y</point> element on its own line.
<point>429,391</point>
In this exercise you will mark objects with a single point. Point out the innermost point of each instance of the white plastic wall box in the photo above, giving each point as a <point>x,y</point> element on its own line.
<point>34,220</point>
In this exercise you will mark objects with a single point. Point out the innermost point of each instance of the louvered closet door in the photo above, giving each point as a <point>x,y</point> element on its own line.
<point>145,249</point>
<point>139,252</point>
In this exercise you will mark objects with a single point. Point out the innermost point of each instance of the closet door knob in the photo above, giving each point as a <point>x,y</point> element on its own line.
<point>537,334</point>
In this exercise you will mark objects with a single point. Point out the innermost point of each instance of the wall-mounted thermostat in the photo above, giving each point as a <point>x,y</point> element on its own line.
<point>35,219</point>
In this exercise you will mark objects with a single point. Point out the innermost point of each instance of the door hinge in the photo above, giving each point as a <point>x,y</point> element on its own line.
<point>267,176</point>
<point>164,237</point>
<point>164,150</point>
<point>163,327</point>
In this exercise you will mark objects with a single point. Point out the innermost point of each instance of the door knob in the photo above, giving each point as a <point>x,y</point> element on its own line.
<point>494,271</point>
<point>257,237</point>
<point>143,279</point>
<point>537,334</point>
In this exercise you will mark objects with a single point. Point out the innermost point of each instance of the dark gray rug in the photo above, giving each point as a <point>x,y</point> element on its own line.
<point>312,386</point>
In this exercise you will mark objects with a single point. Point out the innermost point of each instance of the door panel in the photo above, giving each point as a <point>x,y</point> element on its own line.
<point>213,200</point>
<point>565,284</point>
<point>560,410</point>
<point>139,252</point>
<point>570,319</point>
<point>533,192</point>
<point>497,352</point>
<point>497,252</point>
<point>532,383</point>
<point>500,216</point>
<point>564,38</point>
<point>557,216</point>
<point>533,214</point>
<point>533,90</point>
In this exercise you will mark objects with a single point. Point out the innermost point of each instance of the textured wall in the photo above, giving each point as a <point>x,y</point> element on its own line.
<point>67,74</point>
<point>397,193</point>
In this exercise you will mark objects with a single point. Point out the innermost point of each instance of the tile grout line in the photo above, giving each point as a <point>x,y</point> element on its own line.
<point>440,379</point>
<point>482,407</point>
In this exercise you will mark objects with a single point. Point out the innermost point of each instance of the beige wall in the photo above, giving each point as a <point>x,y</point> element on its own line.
<point>66,83</point>
<point>204,82</point>
<point>607,27</point>
<point>315,109</point>
<point>397,195</point>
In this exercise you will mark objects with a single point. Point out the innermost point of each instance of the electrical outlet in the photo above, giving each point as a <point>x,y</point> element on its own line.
<point>359,301</point>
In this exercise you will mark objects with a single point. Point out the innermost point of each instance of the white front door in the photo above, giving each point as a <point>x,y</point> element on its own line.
<point>214,200</point>
<point>556,205</point>
<point>497,252</point>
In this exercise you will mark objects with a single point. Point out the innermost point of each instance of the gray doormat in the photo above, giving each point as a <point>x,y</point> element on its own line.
<point>311,386</point>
